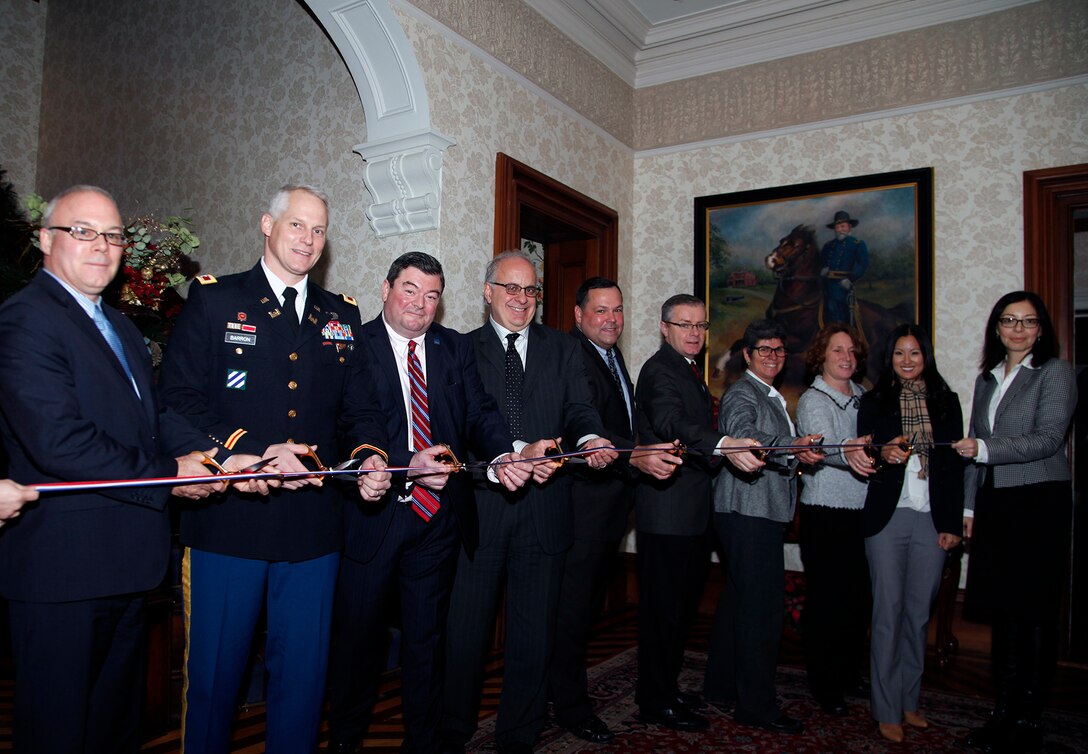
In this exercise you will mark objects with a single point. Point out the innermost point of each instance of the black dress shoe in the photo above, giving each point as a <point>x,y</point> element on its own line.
<point>677,718</point>
<point>781,724</point>
<point>691,701</point>
<point>339,747</point>
<point>592,729</point>
<point>835,707</point>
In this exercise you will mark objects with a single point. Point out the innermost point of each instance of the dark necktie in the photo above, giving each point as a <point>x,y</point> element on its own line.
<point>515,378</point>
<point>106,328</point>
<point>614,369</point>
<point>289,309</point>
<point>611,354</point>
<point>424,502</point>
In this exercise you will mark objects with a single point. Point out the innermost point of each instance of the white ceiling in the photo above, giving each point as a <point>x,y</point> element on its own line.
<point>648,42</point>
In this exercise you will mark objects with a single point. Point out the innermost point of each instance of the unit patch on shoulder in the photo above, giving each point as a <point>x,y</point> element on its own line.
<point>206,279</point>
<point>349,299</point>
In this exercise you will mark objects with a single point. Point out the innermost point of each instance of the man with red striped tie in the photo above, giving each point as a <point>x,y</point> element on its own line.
<point>404,547</point>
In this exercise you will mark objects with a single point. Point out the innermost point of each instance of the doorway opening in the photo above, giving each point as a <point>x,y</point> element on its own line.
<point>578,236</point>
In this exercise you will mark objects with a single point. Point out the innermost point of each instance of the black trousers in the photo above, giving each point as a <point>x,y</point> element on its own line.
<point>747,630</point>
<point>837,599</point>
<point>585,574</point>
<point>671,575</point>
<point>79,673</point>
<point>413,570</point>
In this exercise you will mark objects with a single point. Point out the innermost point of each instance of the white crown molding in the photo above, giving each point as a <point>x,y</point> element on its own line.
<point>741,32</point>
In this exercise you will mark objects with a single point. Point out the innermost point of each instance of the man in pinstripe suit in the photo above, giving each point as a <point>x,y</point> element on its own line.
<point>537,376</point>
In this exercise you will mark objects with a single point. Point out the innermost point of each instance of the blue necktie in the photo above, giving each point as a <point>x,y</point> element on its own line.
<point>114,342</point>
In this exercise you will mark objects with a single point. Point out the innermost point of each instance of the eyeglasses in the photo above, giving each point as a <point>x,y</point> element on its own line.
<point>766,351</point>
<point>1010,323</point>
<point>113,238</point>
<point>686,326</point>
<point>514,289</point>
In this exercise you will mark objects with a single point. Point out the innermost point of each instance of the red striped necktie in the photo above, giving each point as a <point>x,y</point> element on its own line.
<point>424,502</point>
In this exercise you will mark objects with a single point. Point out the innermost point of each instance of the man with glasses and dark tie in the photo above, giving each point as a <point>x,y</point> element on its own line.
<point>602,503</point>
<point>672,516</point>
<point>79,404</point>
<point>537,377</point>
<point>402,551</point>
<point>265,360</point>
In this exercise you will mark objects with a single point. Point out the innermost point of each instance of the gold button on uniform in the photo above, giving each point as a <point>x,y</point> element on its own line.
<point>292,414</point>
<point>238,351</point>
<point>292,385</point>
<point>293,356</point>
<point>342,359</point>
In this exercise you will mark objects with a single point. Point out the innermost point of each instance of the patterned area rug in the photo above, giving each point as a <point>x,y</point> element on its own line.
<point>612,686</point>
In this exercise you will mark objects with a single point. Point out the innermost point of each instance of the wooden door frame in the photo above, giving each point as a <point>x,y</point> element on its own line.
<point>1050,195</point>
<point>518,185</point>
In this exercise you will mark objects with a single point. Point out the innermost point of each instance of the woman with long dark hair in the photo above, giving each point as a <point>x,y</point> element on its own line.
<point>836,612</point>
<point>1018,500</point>
<point>913,516</point>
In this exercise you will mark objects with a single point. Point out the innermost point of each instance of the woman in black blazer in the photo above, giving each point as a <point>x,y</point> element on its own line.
<point>912,517</point>
<point>1019,498</point>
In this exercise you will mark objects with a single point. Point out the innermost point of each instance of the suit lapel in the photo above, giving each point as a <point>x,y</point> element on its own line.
<point>1022,378</point>
<point>779,411</point>
<point>490,348</point>
<point>536,356</point>
<point>86,325</point>
<point>984,393</point>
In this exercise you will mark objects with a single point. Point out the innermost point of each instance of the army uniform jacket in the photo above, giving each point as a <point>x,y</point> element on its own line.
<point>237,369</point>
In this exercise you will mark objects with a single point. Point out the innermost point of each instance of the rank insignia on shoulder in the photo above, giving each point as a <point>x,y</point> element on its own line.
<point>206,279</point>
<point>349,299</point>
<point>336,330</point>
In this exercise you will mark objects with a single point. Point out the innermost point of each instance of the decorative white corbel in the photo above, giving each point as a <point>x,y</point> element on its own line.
<point>404,176</point>
<point>403,153</point>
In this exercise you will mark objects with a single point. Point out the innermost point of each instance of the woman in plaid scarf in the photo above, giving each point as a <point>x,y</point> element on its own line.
<point>913,516</point>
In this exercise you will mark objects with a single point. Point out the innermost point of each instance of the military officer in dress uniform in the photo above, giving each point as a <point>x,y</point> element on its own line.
<point>265,361</point>
<point>843,260</point>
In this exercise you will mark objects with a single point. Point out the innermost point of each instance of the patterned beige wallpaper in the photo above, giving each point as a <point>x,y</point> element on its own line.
<point>1037,42</point>
<point>206,107</point>
<point>486,112</point>
<point>978,153</point>
<point>520,38</point>
<point>22,43</point>
<point>1025,45</point>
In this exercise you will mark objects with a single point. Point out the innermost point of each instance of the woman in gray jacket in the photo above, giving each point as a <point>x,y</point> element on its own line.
<point>1018,511</point>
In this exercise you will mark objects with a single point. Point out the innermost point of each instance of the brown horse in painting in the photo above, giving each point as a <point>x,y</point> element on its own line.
<point>797,301</point>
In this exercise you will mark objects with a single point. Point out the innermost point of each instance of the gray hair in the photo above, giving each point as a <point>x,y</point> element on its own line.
<point>47,217</point>
<point>278,205</point>
<point>489,272</point>
<point>680,299</point>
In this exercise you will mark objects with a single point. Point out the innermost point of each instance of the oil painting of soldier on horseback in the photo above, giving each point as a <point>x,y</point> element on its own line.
<point>856,250</point>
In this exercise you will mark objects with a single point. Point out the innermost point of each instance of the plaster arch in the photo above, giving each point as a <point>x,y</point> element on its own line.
<point>403,153</point>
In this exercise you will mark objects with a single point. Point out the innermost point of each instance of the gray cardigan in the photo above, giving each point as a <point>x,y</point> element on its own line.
<point>748,410</point>
<point>1026,445</point>
<point>824,410</point>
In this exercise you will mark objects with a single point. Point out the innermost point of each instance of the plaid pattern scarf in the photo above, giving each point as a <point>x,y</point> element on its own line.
<point>916,426</point>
